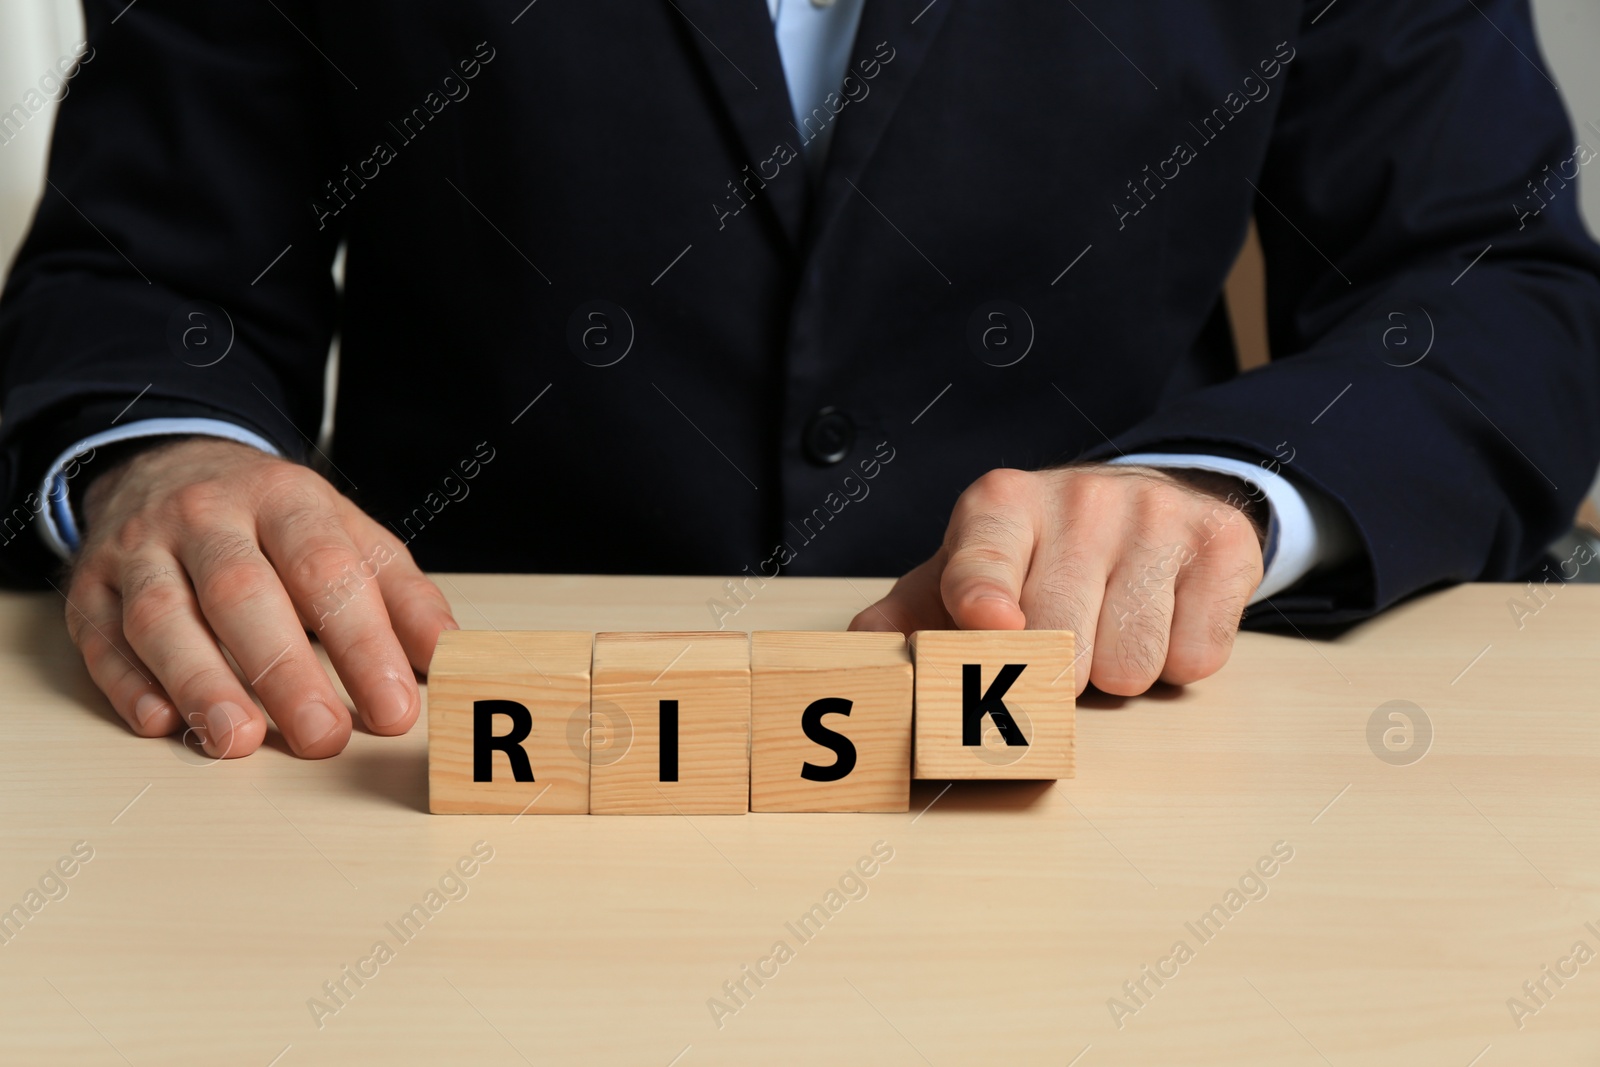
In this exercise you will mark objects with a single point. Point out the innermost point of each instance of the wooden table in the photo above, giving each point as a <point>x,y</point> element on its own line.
<point>1420,896</point>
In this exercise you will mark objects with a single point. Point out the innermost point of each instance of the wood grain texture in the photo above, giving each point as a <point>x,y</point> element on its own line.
<point>1038,700</point>
<point>1420,897</point>
<point>790,670</point>
<point>707,677</point>
<point>547,673</point>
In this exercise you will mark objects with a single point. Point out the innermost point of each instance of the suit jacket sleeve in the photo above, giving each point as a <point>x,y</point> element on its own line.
<point>185,158</point>
<point>1436,332</point>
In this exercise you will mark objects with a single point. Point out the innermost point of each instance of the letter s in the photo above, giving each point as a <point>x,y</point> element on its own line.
<point>843,748</point>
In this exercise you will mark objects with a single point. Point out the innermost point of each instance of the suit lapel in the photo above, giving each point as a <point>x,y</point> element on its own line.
<point>736,43</point>
<point>908,27</point>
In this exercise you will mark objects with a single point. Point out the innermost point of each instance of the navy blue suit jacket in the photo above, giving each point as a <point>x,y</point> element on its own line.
<point>1014,257</point>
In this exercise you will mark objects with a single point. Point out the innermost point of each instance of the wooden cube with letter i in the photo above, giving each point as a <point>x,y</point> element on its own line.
<point>830,718</point>
<point>994,703</point>
<point>508,715</point>
<point>683,701</point>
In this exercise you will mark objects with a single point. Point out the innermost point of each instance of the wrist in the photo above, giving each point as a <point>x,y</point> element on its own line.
<point>115,460</point>
<point>1233,491</point>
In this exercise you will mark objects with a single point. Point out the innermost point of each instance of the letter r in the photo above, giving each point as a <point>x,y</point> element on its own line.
<point>485,742</point>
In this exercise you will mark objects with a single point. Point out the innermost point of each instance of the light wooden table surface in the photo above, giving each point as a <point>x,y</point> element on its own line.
<point>1419,898</point>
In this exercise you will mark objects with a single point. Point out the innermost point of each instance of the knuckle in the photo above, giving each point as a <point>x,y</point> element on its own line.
<point>1236,595</point>
<point>1062,594</point>
<point>85,635</point>
<point>278,477</point>
<point>235,584</point>
<point>371,644</point>
<point>1249,573</point>
<point>219,549</point>
<point>1223,628</point>
<point>200,686</point>
<point>1241,539</point>
<point>323,563</point>
<point>140,574</point>
<point>128,538</point>
<point>302,507</point>
<point>1088,492</point>
<point>198,505</point>
<point>999,486</point>
<point>1221,523</point>
<point>1193,660</point>
<point>234,576</point>
<point>1137,662</point>
<point>419,593</point>
<point>985,535</point>
<point>1140,651</point>
<point>145,611</point>
<point>1187,664</point>
<point>1164,508</point>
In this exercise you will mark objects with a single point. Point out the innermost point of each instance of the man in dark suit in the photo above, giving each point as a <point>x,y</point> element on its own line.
<point>748,289</point>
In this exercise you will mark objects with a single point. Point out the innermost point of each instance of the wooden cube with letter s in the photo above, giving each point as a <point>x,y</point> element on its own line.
<point>830,722</point>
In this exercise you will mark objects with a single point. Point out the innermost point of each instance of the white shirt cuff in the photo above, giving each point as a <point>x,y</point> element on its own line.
<point>59,527</point>
<point>1304,530</point>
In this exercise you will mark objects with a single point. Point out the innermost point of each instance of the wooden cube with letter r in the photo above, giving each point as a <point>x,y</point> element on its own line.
<point>830,717</point>
<point>994,703</point>
<point>508,720</point>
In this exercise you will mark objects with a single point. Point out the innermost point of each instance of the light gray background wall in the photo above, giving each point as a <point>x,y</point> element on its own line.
<point>33,35</point>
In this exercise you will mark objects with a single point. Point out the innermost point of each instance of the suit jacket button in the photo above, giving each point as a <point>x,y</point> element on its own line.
<point>828,436</point>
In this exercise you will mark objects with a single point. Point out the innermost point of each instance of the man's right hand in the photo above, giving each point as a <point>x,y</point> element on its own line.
<point>201,549</point>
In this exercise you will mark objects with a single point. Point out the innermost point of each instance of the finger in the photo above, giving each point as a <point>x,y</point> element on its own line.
<point>417,607</point>
<point>164,627</point>
<point>989,546</point>
<point>94,619</point>
<point>1135,620</point>
<point>244,601</point>
<point>336,588</point>
<point>914,603</point>
<point>1064,591</point>
<point>1211,595</point>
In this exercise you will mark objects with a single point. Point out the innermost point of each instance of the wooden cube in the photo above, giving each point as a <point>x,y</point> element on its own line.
<point>993,703</point>
<point>683,699</point>
<point>508,715</point>
<point>830,718</point>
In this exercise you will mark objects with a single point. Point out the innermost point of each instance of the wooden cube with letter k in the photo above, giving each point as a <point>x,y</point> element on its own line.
<point>994,704</point>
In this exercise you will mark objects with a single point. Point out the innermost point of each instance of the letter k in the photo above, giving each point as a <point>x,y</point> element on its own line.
<point>991,702</point>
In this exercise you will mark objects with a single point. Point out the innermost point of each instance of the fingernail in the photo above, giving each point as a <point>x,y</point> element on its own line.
<point>313,722</point>
<point>392,704</point>
<point>147,708</point>
<point>221,720</point>
<point>451,624</point>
